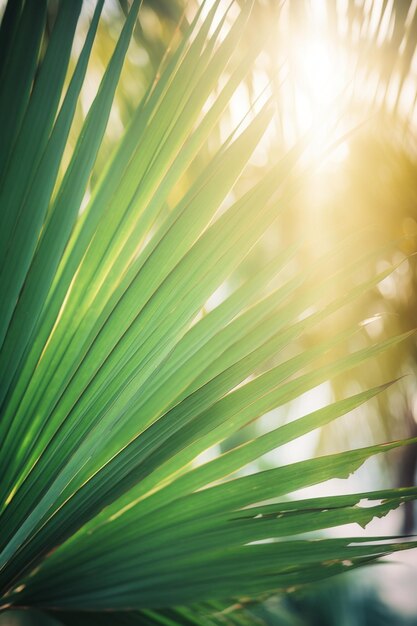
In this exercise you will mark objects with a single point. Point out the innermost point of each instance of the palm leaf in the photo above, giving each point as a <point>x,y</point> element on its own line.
<point>114,381</point>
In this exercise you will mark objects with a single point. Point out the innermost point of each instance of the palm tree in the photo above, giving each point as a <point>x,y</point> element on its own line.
<point>115,377</point>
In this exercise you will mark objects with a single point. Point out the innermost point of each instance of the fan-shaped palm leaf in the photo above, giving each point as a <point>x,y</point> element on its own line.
<point>111,384</point>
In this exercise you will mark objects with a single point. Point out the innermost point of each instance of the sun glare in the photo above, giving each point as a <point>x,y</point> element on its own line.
<point>321,84</point>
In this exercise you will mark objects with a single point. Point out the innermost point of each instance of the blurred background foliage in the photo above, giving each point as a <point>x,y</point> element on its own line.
<point>346,72</point>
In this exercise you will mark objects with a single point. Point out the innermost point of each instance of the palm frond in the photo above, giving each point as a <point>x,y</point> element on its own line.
<point>114,381</point>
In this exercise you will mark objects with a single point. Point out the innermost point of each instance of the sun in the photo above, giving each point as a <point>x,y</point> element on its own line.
<point>319,80</point>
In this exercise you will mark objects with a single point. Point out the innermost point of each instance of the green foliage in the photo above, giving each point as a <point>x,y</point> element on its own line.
<point>113,377</point>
